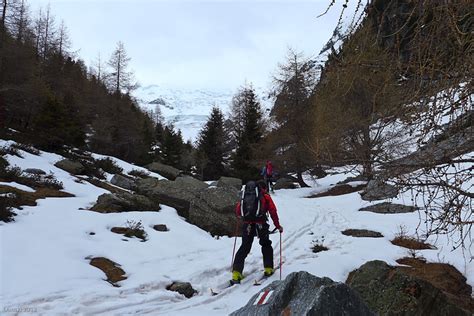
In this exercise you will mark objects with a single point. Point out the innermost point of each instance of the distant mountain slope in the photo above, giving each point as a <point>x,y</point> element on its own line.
<point>187,109</point>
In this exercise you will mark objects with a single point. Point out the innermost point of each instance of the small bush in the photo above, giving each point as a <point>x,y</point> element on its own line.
<point>29,149</point>
<point>318,248</point>
<point>139,173</point>
<point>402,239</point>
<point>132,229</point>
<point>6,214</point>
<point>135,229</point>
<point>108,165</point>
<point>92,170</point>
<point>317,245</point>
<point>15,174</point>
<point>3,164</point>
<point>10,150</point>
<point>11,173</point>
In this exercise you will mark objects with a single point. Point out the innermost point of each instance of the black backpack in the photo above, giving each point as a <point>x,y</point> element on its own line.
<point>250,205</point>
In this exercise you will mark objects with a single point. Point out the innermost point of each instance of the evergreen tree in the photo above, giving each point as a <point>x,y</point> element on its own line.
<point>247,118</point>
<point>171,147</point>
<point>211,147</point>
<point>56,125</point>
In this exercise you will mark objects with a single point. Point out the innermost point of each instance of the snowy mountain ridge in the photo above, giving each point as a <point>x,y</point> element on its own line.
<point>188,109</point>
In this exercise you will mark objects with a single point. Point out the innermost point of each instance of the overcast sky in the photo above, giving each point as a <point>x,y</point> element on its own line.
<point>196,44</point>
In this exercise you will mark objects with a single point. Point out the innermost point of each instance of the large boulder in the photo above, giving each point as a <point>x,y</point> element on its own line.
<point>213,211</point>
<point>388,208</point>
<point>391,290</point>
<point>210,208</point>
<point>378,190</point>
<point>123,182</point>
<point>124,202</point>
<point>170,173</point>
<point>70,166</point>
<point>35,171</point>
<point>284,183</point>
<point>228,182</point>
<point>178,194</point>
<point>302,293</point>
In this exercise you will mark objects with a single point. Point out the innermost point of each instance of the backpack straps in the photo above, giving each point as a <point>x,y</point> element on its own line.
<point>242,201</point>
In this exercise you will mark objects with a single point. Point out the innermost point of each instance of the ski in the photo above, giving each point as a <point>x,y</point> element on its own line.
<point>264,277</point>
<point>259,281</point>
<point>221,288</point>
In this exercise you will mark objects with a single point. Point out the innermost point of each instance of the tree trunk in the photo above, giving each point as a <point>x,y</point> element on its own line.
<point>4,15</point>
<point>2,37</point>
<point>299,176</point>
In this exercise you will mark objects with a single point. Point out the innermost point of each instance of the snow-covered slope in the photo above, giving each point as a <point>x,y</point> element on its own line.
<point>44,254</point>
<point>187,109</point>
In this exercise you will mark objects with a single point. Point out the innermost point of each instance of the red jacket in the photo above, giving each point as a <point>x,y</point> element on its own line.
<point>269,167</point>
<point>267,205</point>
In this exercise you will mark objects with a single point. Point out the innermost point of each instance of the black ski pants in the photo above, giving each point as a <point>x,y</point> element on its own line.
<point>249,231</point>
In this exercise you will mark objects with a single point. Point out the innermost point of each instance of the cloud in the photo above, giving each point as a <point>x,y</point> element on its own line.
<point>196,43</point>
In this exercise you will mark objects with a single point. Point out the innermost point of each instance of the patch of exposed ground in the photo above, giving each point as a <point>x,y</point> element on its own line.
<point>443,276</point>
<point>362,233</point>
<point>18,198</point>
<point>111,269</point>
<point>411,243</point>
<point>339,190</point>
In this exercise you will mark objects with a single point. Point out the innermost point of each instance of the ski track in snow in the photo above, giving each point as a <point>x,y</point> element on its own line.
<point>185,253</point>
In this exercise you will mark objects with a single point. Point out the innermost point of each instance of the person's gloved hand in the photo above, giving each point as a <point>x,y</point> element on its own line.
<point>280,229</point>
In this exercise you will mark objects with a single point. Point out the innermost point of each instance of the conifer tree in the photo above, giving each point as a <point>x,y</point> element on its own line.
<point>172,146</point>
<point>120,79</point>
<point>247,116</point>
<point>293,88</point>
<point>211,147</point>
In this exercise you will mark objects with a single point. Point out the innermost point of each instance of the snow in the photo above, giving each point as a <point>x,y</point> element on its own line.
<point>45,253</point>
<point>189,109</point>
<point>18,186</point>
<point>127,167</point>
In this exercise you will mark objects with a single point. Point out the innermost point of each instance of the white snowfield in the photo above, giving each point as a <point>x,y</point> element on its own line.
<point>45,268</point>
<point>189,109</point>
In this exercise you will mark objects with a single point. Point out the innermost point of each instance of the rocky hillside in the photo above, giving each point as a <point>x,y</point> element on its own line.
<point>121,238</point>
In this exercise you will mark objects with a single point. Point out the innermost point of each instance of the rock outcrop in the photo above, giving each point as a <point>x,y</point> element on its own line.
<point>70,166</point>
<point>213,211</point>
<point>339,189</point>
<point>302,293</point>
<point>170,173</point>
<point>457,139</point>
<point>178,194</point>
<point>378,190</point>
<point>124,202</point>
<point>388,208</point>
<point>210,208</point>
<point>228,182</point>
<point>391,290</point>
<point>284,183</point>
<point>35,171</point>
<point>123,182</point>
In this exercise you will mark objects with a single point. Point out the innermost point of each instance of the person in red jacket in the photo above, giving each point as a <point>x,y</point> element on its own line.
<point>259,228</point>
<point>267,173</point>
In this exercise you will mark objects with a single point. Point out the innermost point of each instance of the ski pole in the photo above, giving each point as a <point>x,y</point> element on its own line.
<point>280,256</point>
<point>235,242</point>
